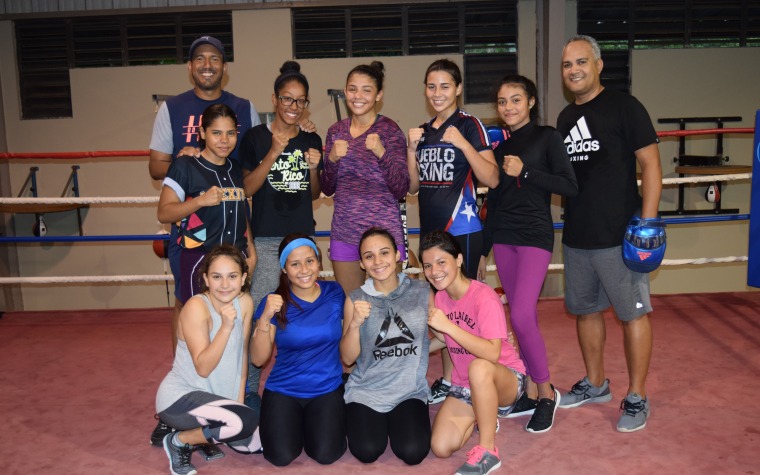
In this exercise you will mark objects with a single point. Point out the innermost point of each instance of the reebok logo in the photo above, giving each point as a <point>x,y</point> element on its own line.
<point>382,341</point>
<point>580,141</point>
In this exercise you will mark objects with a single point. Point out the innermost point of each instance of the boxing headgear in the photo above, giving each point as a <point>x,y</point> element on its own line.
<point>644,244</point>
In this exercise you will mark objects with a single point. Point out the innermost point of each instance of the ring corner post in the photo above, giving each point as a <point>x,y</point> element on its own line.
<point>753,261</point>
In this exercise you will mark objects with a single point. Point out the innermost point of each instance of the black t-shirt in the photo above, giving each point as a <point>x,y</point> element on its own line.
<point>602,137</point>
<point>283,203</point>
<point>519,209</point>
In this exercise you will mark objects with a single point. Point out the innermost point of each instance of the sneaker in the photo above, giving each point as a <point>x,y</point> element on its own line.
<point>438,391</point>
<point>157,437</point>
<point>524,406</point>
<point>584,392</point>
<point>179,457</point>
<point>210,451</point>
<point>480,461</point>
<point>635,413</point>
<point>543,418</point>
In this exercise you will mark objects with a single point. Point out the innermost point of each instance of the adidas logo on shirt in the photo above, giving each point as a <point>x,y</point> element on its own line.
<point>579,141</point>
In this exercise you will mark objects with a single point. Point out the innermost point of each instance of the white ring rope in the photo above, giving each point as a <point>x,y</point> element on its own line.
<point>160,278</point>
<point>83,279</point>
<point>154,199</point>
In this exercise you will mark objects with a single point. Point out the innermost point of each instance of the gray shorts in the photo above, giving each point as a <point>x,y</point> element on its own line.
<point>596,279</point>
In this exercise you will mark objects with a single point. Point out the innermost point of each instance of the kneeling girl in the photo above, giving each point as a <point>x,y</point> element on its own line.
<point>385,333</point>
<point>488,375</point>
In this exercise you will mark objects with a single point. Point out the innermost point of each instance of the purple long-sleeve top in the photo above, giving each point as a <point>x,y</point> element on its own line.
<point>366,189</point>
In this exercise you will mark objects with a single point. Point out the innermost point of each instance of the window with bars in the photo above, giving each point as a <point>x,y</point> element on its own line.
<point>484,32</point>
<point>622,26</point>
<point>46,50</point>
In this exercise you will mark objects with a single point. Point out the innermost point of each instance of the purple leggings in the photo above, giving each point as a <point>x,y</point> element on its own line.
<point>522,270</point>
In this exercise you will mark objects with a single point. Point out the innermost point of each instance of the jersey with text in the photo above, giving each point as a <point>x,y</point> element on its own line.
<point>481,313</point>
<point>601,137</point>
<point>448,198</point>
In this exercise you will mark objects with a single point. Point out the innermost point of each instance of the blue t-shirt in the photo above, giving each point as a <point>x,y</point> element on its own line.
<point>308,364</point>
<point>448,185</point>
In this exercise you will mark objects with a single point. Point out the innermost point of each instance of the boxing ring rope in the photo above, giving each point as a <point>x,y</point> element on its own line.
<point>169,277</point>
<point>154,199</point>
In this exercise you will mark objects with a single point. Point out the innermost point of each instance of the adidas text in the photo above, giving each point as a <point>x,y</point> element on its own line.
<point>582,146</point>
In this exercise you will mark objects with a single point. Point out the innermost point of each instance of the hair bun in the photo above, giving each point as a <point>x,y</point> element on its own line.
<point>377,65</point>
<point>290,67</point>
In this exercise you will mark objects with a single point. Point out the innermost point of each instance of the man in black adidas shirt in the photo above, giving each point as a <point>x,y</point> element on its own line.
<point>607,133</point>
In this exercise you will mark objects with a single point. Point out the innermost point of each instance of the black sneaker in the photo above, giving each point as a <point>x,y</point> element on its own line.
<point>210,451</point>
<point>543,417</point>
<point>157,437</point>
<point>524,406</point>
<point>179,457</point>
<point>438,391</point>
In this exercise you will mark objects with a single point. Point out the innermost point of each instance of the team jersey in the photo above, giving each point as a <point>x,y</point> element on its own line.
<point>191,177</point>
<point>447,198</point>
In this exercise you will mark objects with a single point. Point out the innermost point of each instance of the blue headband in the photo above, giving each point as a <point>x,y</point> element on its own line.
<point>294,244</point>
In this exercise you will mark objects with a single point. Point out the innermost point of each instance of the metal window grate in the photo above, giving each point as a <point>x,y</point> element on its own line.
<point>624,25</point>
<point>48,48</point>
<point>485,32</point>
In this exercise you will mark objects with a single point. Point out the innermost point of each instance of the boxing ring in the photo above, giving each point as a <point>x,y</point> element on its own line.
<point>79,385</point>
<point>41,205</point>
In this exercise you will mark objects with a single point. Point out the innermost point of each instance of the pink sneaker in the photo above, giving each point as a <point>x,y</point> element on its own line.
<point>480,461</point>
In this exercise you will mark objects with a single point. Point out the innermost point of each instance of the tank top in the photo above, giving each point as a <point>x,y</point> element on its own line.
<point>223,381</point>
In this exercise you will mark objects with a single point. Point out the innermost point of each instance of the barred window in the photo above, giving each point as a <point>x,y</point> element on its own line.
<point>622,26</point>
<point>47,49</point>
<point>484,32</point>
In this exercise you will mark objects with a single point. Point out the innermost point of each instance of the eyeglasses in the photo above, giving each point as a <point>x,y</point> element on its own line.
<point>288,101</point>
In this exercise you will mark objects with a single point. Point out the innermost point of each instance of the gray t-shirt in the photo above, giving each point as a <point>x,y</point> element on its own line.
<point>393,361</point>
<point>223,381</point>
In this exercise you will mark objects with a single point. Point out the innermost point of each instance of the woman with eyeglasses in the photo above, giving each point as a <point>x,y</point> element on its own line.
<point>366,172</point>
<point>281,164</point>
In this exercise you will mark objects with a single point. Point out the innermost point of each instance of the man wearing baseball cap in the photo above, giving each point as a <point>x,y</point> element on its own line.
<point>175,132</point>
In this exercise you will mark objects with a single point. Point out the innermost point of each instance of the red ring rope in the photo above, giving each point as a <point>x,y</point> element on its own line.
<point>145,153</point>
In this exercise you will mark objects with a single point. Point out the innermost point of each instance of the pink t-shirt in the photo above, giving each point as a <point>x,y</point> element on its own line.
<point>481,313</point>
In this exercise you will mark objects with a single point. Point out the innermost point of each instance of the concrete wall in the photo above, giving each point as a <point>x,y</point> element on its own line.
<point>113,110</point>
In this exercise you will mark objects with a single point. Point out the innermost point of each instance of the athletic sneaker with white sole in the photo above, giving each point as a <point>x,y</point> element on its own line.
<point>438,391</point>
<point>524,406</point>
<point>583,392</point>
<point>635,413</point>
<point>543,418</point>
<point>179,457</point>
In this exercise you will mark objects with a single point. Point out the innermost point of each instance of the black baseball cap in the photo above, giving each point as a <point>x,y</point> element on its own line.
<point>206,40</point>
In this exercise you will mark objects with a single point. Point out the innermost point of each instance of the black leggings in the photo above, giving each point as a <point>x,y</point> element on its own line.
<point>407,426</point>
<point>291,424</point>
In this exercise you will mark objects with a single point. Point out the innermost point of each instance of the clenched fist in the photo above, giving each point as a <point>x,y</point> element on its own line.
<point>338,151</point>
